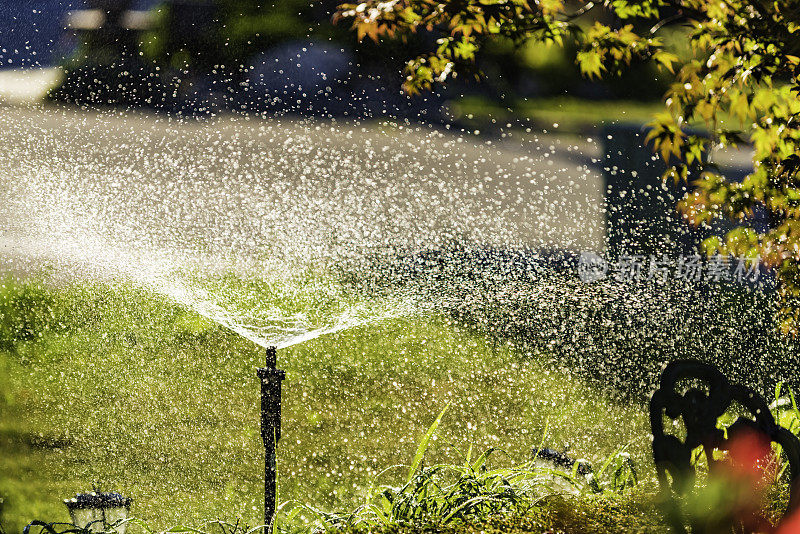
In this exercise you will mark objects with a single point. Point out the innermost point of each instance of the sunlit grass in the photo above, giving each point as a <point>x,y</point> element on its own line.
<point>567,114</point>
<point>118,387</point>
<point>571,115</point>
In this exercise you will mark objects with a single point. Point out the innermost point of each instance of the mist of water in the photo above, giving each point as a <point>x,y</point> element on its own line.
<point>150,200</point>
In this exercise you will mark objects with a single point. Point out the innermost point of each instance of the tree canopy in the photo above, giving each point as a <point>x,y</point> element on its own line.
<point>741,81</point>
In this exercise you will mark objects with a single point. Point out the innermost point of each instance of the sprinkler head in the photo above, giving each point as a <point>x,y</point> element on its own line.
<point>272,357</point>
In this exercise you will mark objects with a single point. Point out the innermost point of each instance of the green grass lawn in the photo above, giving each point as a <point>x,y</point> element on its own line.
<point>565,114</point>
<point>117,387</point>
<point>555,114</point>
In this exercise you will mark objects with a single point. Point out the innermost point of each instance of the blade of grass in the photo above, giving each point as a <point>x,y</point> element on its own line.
<point>777,401</point>
<point>482,459</point>
<point>423,444</point>
<point>470,502</point>
<point>794,403</point>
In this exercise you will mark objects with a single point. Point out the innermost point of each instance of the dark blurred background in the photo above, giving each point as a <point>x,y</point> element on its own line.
<point>282,56</point>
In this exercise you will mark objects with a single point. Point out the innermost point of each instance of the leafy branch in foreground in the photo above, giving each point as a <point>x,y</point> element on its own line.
<point>463,27</point>
<point>742,82</point>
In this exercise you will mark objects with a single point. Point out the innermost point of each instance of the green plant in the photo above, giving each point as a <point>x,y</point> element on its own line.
<point>470,492</point>
<point>787,414</point>
<point>217,527</point>
<point>25,312</point>
<point>441,494</point>
<point>617,474</point>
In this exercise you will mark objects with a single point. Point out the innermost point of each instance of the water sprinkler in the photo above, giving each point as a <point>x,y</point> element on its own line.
<point>270,427</point>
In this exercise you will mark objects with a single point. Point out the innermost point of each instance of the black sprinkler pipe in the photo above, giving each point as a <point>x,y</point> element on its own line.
<point>271,379</point>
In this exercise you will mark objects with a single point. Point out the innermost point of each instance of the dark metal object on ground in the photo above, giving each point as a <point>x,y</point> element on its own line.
<point>271,379</point>
<point>707,396</point>
<point>560,459</point>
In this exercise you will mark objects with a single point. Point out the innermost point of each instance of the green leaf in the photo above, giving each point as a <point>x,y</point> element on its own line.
<point>423,445</point>
<point>590,62</point>
<point>665,59</point>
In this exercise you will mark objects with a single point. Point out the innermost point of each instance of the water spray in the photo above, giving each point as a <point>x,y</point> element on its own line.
<point>271,379</point>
